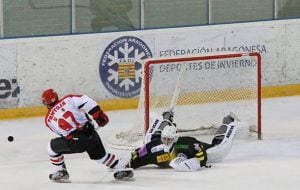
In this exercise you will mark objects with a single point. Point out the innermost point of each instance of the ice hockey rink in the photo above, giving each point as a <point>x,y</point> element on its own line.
<point>269,164</point>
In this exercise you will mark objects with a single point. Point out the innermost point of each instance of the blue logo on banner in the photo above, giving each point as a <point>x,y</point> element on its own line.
<point>121,66</point>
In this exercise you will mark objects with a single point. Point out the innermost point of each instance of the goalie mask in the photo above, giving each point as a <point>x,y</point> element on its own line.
<point>169,137</point>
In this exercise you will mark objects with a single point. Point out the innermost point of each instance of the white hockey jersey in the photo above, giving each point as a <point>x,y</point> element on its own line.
<point>69,114</point>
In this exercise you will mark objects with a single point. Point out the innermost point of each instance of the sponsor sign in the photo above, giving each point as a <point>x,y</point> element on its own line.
<point>121,67</point>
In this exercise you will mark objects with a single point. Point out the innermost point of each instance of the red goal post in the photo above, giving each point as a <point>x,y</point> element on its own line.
<point>225,83</point>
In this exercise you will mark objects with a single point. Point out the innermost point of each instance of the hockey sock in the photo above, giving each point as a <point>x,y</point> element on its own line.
<point>58,161</point>
<point>110,160</point>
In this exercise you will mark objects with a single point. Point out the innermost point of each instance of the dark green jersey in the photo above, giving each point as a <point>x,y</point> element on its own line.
<point>189,147</point>
<point>151,153</point>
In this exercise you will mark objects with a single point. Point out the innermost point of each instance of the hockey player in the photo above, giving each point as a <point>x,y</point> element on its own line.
<point>69,118</point>
<point>184,153</point>
<point>152,152</point>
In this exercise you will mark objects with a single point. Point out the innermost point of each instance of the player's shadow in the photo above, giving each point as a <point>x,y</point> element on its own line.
<point>110,181</point>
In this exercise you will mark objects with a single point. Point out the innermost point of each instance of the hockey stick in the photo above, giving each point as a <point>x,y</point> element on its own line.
<point>177,88</point>
<point>174,102</point>
<point>198,129</point>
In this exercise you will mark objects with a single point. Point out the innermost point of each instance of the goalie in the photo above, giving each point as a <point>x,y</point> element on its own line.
<point>164,148</point>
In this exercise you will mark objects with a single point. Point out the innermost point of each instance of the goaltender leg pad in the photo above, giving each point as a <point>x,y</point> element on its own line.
<point>155,121</point>
<point>185,165</point>
<point>222,143</point>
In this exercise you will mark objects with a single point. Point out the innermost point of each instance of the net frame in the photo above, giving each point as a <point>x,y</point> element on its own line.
<point>200,58</point>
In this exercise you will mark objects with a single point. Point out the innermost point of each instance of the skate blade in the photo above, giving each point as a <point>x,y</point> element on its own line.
<point>61,181</point>
<point>123,174</point>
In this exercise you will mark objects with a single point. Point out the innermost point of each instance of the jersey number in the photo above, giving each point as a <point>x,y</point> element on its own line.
<point>64,124</point>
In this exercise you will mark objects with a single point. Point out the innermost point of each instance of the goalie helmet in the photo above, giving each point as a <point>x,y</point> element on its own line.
<point>169,137</point>
<point>49,97</point>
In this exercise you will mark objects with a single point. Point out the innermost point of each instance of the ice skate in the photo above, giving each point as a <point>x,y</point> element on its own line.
<point>60,176</point>
<point>123,174</point>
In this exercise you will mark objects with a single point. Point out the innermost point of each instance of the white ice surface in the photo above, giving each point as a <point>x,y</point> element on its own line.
<point>270,164</point>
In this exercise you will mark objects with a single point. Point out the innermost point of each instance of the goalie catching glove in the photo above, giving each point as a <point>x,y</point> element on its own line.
<point>99,116</point>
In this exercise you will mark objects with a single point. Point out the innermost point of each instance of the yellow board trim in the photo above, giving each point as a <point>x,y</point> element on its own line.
<point>119,104</point>
<point>281,91</point>
<point>37,111</point>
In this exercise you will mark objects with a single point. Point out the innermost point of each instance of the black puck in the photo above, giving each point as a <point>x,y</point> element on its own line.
<point>10,138</point>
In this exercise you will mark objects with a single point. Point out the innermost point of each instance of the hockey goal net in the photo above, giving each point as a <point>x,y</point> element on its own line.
<point>201,90</point>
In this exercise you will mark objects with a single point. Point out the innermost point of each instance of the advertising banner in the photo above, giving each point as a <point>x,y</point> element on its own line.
<point>109,66</point>
<point>9,88</point>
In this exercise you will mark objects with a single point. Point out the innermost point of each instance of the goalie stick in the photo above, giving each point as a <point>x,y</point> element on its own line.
<point>177,89</point>
<point>174,101</point>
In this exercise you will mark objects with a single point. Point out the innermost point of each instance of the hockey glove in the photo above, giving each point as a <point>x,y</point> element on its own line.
<point>139,152</point>
<point>102,120</point>
<point>134,155</point>
<point>168,115</point>
<point>99,116</point>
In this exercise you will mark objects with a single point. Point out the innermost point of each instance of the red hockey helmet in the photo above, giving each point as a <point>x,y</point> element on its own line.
<point>49,97</point>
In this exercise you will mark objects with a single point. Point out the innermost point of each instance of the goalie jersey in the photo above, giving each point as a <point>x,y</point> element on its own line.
<point>189,147</point>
